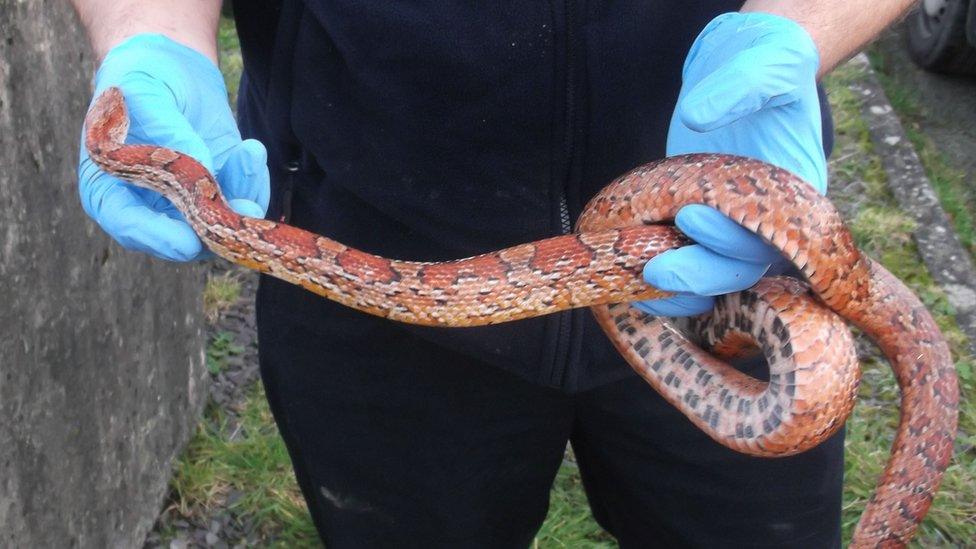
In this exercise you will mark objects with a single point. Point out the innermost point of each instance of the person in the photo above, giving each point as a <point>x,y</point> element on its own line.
<point>438,130</point>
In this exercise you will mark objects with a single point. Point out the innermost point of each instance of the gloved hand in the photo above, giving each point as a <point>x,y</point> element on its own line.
<point>176,98</point>
<point>749,88</point>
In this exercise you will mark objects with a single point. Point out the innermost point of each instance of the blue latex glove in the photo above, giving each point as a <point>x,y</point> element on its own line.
<point>749,88</point>
<point>176,98</point>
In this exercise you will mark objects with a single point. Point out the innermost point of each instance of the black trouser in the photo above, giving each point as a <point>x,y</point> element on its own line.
<point>397,442</point>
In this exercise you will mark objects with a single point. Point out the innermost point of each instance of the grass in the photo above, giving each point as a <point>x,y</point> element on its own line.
<point>220,292</point>
<point>957,196</point>
<point>221,348</point>
<point>229,51</point>
<point>247,461</point>
<point>569,522</point>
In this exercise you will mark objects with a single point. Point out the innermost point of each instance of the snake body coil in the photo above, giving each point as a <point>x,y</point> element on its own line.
<point>813,371</point>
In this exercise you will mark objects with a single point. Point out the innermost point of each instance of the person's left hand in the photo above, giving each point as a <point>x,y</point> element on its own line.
<point>749,88</point>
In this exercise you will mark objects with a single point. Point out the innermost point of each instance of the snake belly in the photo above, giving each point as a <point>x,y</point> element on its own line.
<point>798,327</point>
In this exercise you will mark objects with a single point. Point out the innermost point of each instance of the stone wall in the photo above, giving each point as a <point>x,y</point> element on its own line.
<point>101,350</point>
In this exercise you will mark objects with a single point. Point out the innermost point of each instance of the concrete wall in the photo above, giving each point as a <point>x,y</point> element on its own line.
<point>101,350</point>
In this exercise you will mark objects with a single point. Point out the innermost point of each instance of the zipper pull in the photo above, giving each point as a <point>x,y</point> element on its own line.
<point>291,168</point>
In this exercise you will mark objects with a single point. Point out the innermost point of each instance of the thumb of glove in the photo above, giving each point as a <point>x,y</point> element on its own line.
<point>245,180</point>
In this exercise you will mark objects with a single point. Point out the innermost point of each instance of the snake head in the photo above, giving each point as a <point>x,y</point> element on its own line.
<point>107,122</point>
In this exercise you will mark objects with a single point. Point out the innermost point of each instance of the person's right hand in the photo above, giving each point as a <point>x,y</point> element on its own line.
<point>176,99</point>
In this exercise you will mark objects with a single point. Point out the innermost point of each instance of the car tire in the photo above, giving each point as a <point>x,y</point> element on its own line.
<point>937,41</point>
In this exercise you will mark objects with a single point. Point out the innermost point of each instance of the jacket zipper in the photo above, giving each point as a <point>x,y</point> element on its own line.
<point>570,15</point>
<point>565,320</point>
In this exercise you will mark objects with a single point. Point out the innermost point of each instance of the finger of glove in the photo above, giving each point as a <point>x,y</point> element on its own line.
<point>244,178</point>
<point>715,231</point>
<point>136,226</point>
<point>697,270</point>
<point>679,305</point>
<point>759,77</point>
<point>247,207</point>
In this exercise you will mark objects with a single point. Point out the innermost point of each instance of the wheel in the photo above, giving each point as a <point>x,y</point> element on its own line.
<point>937,37</point>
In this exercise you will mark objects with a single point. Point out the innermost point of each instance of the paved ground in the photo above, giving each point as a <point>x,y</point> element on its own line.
<point>949,102</point>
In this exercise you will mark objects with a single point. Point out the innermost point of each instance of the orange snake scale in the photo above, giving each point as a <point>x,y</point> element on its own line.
<point>813,373</point>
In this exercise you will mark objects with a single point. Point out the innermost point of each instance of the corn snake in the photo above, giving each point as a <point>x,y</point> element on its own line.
<point>813,368</point>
